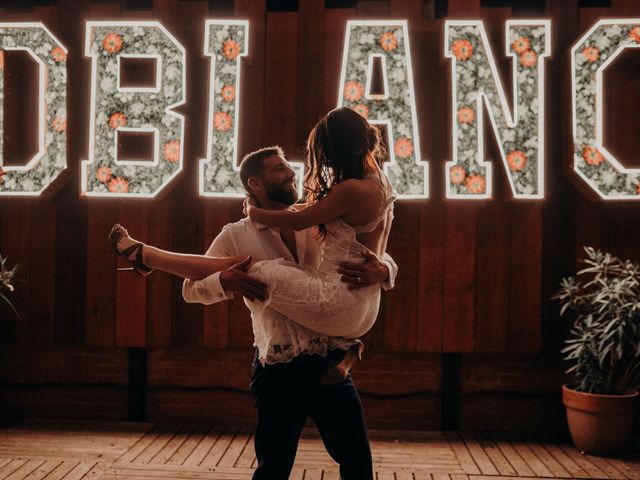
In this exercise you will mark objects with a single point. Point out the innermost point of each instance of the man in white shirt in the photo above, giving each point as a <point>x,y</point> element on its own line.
<point>290,358</point>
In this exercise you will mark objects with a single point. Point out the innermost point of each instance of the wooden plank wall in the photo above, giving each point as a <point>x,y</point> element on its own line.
<point>474,277</point>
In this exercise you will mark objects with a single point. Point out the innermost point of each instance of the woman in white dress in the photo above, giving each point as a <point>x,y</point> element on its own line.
<point>350,201</point>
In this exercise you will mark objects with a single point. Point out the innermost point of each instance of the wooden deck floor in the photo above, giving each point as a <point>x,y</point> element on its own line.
<point>73,451</point>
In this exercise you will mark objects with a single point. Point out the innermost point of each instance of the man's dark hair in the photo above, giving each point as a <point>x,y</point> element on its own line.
<point>252,164</point>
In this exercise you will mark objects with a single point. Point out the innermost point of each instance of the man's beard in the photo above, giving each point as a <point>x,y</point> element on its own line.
<point>277,193</point>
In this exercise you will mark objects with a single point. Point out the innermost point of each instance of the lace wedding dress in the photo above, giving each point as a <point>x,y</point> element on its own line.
<point>316,298</point>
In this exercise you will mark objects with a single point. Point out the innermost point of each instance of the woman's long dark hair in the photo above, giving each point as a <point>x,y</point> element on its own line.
<point>337,149</point>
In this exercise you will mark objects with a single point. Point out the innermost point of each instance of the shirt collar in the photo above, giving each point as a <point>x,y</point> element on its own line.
<point>257,225</point>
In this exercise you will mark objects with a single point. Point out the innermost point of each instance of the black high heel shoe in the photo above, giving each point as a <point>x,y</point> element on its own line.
<point>118,232</point>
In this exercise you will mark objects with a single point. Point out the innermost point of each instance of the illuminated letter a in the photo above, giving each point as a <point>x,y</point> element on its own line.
<point>386,42</point>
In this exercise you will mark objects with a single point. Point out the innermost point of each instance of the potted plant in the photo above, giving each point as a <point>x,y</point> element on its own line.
<point>7,311</point>
<point>603,351</point>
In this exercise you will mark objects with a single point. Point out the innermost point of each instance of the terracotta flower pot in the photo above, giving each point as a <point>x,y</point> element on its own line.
<point>599,424</point>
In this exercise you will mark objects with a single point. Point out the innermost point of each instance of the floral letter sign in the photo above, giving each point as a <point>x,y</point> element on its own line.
<point>590,56</point>
<point>396,107</point>
<point>51,158</point>
<point>520,135</point>
<point>115,109</point>
<point>225,41</point>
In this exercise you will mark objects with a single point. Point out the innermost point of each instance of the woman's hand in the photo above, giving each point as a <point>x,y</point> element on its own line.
<point>361,275</point>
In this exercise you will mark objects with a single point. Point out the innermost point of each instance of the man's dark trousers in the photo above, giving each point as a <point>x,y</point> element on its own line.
<point>285,395</point>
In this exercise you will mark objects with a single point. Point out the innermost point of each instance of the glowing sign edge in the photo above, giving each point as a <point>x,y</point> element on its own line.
<point>155,89</point>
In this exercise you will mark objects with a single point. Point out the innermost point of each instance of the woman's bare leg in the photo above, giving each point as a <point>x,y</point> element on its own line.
<point>185,265</point>
<point>193,267</point>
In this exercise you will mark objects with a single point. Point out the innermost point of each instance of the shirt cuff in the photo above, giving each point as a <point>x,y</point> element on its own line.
<point>207,291</point>
<point>214,286</point>
<point>390,282</point>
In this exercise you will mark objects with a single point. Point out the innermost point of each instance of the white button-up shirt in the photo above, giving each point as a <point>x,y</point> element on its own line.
<point>277,338</point>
